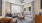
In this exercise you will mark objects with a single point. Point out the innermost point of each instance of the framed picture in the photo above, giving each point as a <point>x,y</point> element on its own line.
<point>41,4</point>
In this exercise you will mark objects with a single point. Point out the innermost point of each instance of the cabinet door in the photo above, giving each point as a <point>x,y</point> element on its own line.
<point>38,19</point>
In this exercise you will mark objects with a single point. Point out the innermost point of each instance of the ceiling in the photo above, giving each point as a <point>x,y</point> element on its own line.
<point>18,1</point>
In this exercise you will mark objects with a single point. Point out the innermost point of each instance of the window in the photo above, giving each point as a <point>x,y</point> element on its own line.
<point>15,8</point>
<point>24,9</point>
<point>29,8</point>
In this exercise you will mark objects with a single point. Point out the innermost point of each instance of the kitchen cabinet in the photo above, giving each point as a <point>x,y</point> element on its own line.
<point>5,20</point>
<point>38,18</point>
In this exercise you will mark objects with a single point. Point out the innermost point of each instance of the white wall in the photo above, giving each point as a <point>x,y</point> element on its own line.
<point>27,5</point>
<point>37,6</point>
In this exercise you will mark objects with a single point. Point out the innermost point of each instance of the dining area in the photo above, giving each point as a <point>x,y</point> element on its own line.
<point>14,11</point>
<point>20,11</point>
<point>19,14</point>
